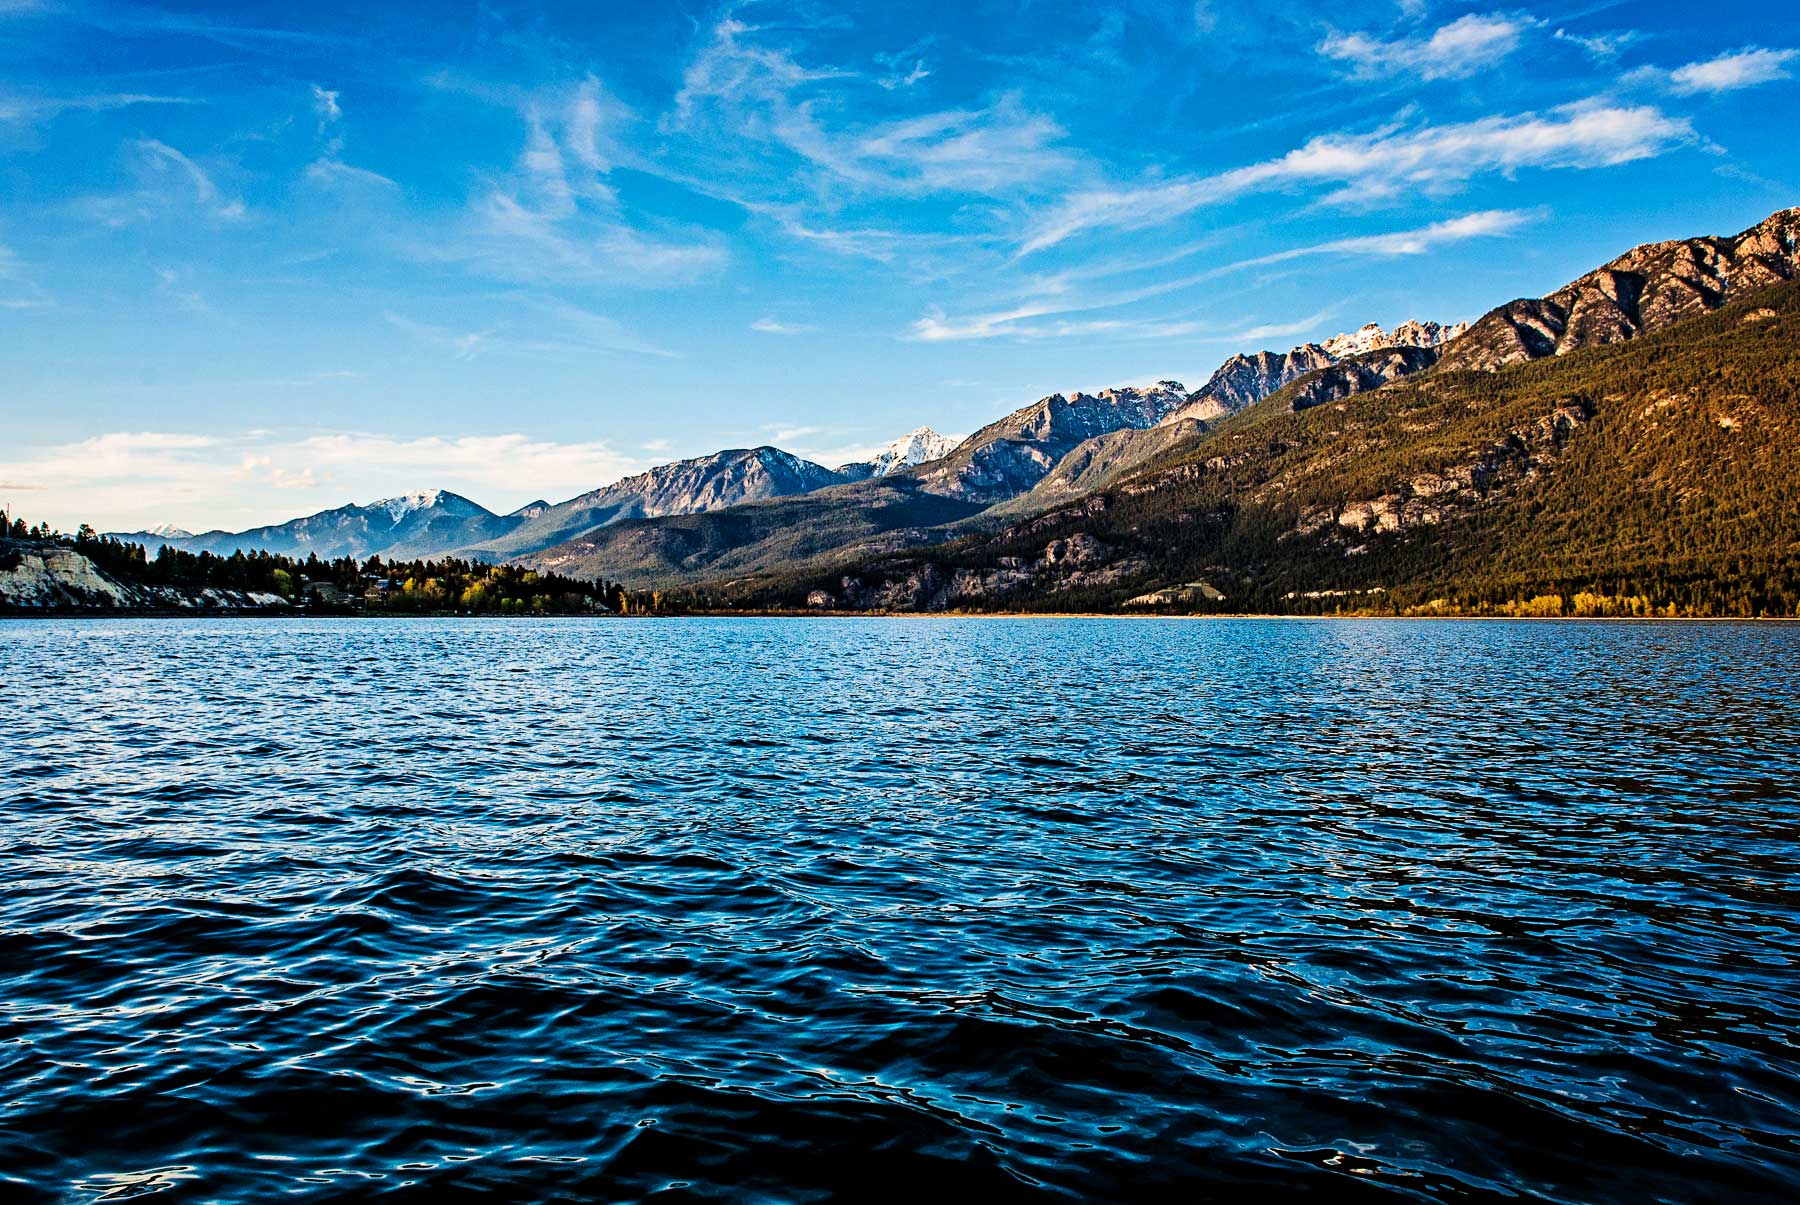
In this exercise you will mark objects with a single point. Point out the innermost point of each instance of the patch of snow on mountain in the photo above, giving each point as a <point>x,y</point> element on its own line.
<point>915,447</point>
<point>1371,337</point>
<point>405,504</point>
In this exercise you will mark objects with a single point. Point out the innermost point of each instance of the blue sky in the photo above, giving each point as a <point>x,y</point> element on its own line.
<point>260,259</point>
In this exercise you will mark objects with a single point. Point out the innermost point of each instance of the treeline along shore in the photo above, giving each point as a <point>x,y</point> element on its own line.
<point>43,570</point>
<point>47,572</point>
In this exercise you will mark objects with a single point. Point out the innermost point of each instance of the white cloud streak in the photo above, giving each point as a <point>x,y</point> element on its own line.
<point>161,159</point>
<point>1456,51</point>
<point>1728,72</point>
<point>18,108</point>
<point>1017,321</point>
<point>127,481</point>
<point>773,326</point>
<point>754,95</point>
<point>1385,164</point>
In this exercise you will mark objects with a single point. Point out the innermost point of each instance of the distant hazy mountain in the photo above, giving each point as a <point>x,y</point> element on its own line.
<point>684,487</point>
<point>915,447</point>
<point>152,537</point>
<point>418,524</point>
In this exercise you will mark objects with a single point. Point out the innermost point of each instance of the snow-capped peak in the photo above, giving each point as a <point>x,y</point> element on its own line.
<point>168,531</point>
<point>1371,337</point>
<point>405,504</point>
<point>915,447</point>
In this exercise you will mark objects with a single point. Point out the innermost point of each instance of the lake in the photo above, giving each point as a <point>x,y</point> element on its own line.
<point>567,910</point>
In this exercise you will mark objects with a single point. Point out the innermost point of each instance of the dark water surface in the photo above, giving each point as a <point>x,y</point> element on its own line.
<point>577,910</point>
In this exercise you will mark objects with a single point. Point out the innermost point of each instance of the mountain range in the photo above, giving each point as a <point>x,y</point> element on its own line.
<point>433,522</point>
<point>755,524</point>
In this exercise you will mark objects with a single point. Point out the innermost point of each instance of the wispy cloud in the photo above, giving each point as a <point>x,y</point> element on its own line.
<point>1386,163</point>
<point>22,108</point>
<point>329,169</point>
<point>124,480</point>
<point>1018,321</point>
<point>773,326</point>
<point>325,101</point>
<point>555,219</point>
<point>163,159</point>
<point>1728,72</point>
<point>461,345</point>
<point>535,324</point>
<point>17,290</point>
<point>1490,223</point>
<point>1198,332</point>
<point>1456,51</point>
<point>1602,46</point>
<point>762,95</point>
<point>907,78</point>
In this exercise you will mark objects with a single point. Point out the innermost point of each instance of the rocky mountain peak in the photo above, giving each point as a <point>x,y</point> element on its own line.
<point>401,505</point>
<point>1649,287</point>
<point>917,446</point>
<point>1371,337</point>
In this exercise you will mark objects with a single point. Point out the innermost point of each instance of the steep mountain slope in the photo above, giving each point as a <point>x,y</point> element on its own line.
<point>416,524</point>
<point>840,522</point>
<point>1364,360</point>
<point>1012,454</point>
<point>1646,289</point>
<point>1647,475</point>
<point>702,483</point>
<point>1096,463</point>
<point>905,508</point>
<point>1246,379</point>
<point>915,447</point>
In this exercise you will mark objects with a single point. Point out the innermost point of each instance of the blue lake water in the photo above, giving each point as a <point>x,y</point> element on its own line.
<point>794,909</point>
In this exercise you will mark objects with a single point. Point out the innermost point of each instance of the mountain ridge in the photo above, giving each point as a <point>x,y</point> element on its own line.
<point>1620,479</point>
<point>423,522</point>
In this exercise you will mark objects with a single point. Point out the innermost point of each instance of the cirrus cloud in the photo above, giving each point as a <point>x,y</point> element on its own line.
<point>1385,164</point>
<point>1729,72</point>
<point>1456,51</point>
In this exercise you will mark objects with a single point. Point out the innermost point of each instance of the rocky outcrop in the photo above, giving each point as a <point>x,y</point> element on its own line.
<point>1428,499</point>
<point>1361,374</point>
<point>1646,289</point>
<point>1073,562</point>
<point>1246,379</point>
<point>43,576</point>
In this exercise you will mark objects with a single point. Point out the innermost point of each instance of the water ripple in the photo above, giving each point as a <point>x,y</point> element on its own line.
<point>565,910</point>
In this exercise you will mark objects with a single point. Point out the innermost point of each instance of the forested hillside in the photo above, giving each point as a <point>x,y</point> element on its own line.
<point>1657,475</point>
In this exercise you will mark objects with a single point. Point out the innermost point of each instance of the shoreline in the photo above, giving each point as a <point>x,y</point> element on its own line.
<point>902,615</point>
